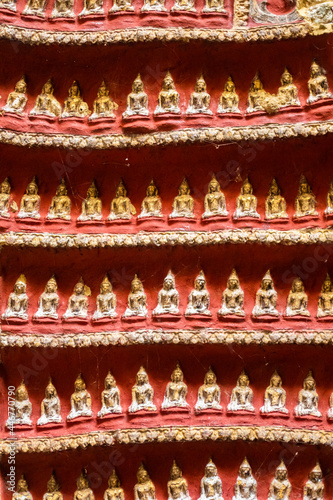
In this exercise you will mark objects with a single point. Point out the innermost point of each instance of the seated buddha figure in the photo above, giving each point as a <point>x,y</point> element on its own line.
<point>209,394</point>
<point>5,199</point>
<point>20,413</point>
<point>246,205</point>
<point>22,490</point>
<point>329,208</point>
<point>246,485</point>
<point>137,300</point>
<point>266,298</point>
<point>61,204</point>
<point>229,99</point>
<point>121,206</point>
<point>168,98</point>
<point>280,487</point>
<point>92,7</point>
<point>314,487</point>
<point>233,297</point>
<point>142,393</point>
<point>78,301</point>
<point>177,485</point>
<point>242,395</point>
<point>214,200</point>
<point>104,106</point>
<point>83,492</point>
<point>17,305</point>
<point>198,300</point>
<point>275,396</point>
<point>106,301</point>
<point>211,484</point>
<point>80,400</point>
<point>308,398</point>
<point>257,96</point>
<point>110,397</point>
<point>46,104</point>
<point>50,407</point>
<point>183,6</point>
<point>74,105</point>
<point>53,489</point>
<point>176,391</point>
<point>137,100</point>
<point>318,84</point>
<point>63,8</point>
<point>91,206</point>
<point>153,6</point>
<point>305,204</point>
<point>287,93</point>
<point>275,204</point>
<point>168,297</point>
<point>325,300</point>
<point>152,204</point>
<point>17,100</point>
<point>200,99</point>
<point>30,202</point>
<point>183,204</point>
<point>297,302</point>
<point>330,411</point>
<point>34,8</point>
<point>144,488</point>
<point>48,302</point>
<point>114,491</point>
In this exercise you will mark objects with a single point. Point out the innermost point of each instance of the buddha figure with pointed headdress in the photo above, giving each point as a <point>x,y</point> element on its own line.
<point>17,100</point>
<point>308,398</point>
<point>168,98</point>
<point>137,300</point>
<point>314,487</point>
<point>21,410</point>
<point>211,484</point>
<point>137,100</point>
<point>183,203</point>
<point>242,395</point>
<point>177,484</point>
<point>200,99</point>
<point>318,84</point>
<point>229,99</point>
<point>275,396</point>
<point>176,391</point>
<point>50,407</point>
<point>144,488</point>
<point>91,206</point>
<point>110,397</point>
<point>266,298</point>
<point>74,105</point>
<point>80,400</point>
<point>46,104</point>
<point>114,490</point>
<point>61,204</point>
<point>104,106</point>
<point>30,202</point>
<point>22,490</point>
<point>275,203</point>
<point>214,200</point>
<point>17,305</point>
<point>305,204</point>
<point>121,206</point>
<point>246,205</point>
<point>297,302</point>
<point>325,300</point>
<point>49,301</point>
<point>106,301</point>
<point>198,300</point>
<point>209,394</point>
<point>233,297</point>
<point>246,485</point>
<point>152,204</point>
<point>168,297</point>
<point>280,487</point>
<point>142,393</point>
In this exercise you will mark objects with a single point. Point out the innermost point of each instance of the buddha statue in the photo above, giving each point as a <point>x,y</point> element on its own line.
<point>83,492</point>
<point>275,396</point>
<point>266,298</point>
<point>229,99</point>
<point>183,204</point>
<point>114,491</point>
<point>121,206</point>
<point>330,411</point>
<point>92,8</point>
<point>325,300</point>
<point>314,487</point>
<point>142,395</point>
<point>305,204</point>
<point>329,208</point>
<point>91,206</point>
<point>152,204</point>
<point>22,490</point>
<point>74,106</point>
<point>20,411</point>
<point>257,96</point>
<point>211,484</point>
<point>242,395</point>
<point>110,397</point>
<point>17,100</point>
<point>318,84</point>
<point>275,204</point>
<point>80,400</point>
<point>233,297</point>
<point>183,6</point>
<point>168,98</point>
<point>17,305</point>
<point>106,301</point>
<point>50,407</point>
<point>137,100</point>
<point>144,488</point>
<point>137,300</point>
<point>177,485</point>
<point>78,301</point>
<point>46,104</point>
<point>53,489</point>
<point>200,99</point>
<point>5,199</point>
<point>60,207</point>
<point>153,6</point>
<point>30,202</point>
<point>209,396</point>
<point>63,8</point>
<point>297,302</point>
<point>34,8</point>
<point>176,391</point>
<point>48,302</point>
<point>246,485</point>
<point>287,93</point>
<point>215,205</point>
<point>168,297</point>
<point>104,106</point>
<point>121,6</point>
<point>198,300</point>
<point>308,398</point>
<point>280,487</point>
<point>246,205</point>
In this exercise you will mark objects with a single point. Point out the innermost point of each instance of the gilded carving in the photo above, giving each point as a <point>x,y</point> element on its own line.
<point>91,206</point>
<point>198,300</point>
<point>152,204</point>
<point>106,301</point>
<point>275,203</point>
<point>20,412</point>
<point>110,400</point>
<point>233,297</point>
<point>200,99</point>
<point>176,391</point>
<point>53,489</point>
<point>275,396</point>
<point>242,395</point>
<point>168,98</point>
<point>80,401</point>
<point>168,297</point>
<point>287,94</point>
<point>257,95</point>
<point>214,204</point>
<point>48,302</point>
<point>17,100</point>
<point>30,202</point>
<point>211,484</point>
<point>280,487</point>
<point>246,485</point>
<point>22,490</point>
<point>61,204</point>
<point>318,84</point>
<point>137,100</point>
<point>329,208</point>
<point>17,305</point>
<point>229,99</point>
<point>308,398</point>
<point>114,491</point>
<point>325,300</point>
<point>246,205</point>
<point>121,206</point>
<point>266,298</point>
<point>314,487</point>
<point>34,8</point>
<point>78,302</point>
<point>177,485</point>
<point>46,104</point>
<point>63,8</point>
<point>305,204</point>
<point>6,203</point>
<point>50,407</point>
<point>137,300</point>
<point>144,488</point>
<point>209,396</point>
<point>74,105</point>
<point>121,6</point>
<point>142,395</point>
<point>153,6</point>
<point>83,492</point>
<point>183,204</point>
<point>92,8</point>
<point>104,106</point>
<point>297,302</point>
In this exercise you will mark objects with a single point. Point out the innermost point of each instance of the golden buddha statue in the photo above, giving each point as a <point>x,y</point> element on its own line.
<point>314,487</point>
<point>177,485</point>
<point>106,301</point>
<point>144,488</point>
<point>137,100</point>
<point>229,99</point>
<point>318,84</point>
<point>280,487</point>
<point>17,100</point>
<point>50,407</point>
<point>211,484</point>
<point>308,398</point>
<point>20,411</point>
<point>74,106</point>
<point>209,394</point>
<point>30,202</point>
<point>121,206</point>
<point>22,490</point>
<point>275,204</point>
<point>110,397</point>
<point>114,491</point>
<point>176,391</point>
<point>168,98</point>
<point>61,204</point>
<point>142,396</point>
<point>275,396</point>
<point>305,204</point>
<point>232,298</point>
<point>83,491</point>
<point>325,300</point>
<point>200,99</point>
<point>183,6</point>
<point>121,6</point>
<point>246,485</point>
<point>330,411</point>
<point>297,302</point>
<point>168,297</point>
<point>46,104</point>
<point>215,205</point>
<point>91,206</point>
<point>137,300</point>
<point>183,204</point>
<point>266,298</point>
<point>53,489</point>
<point>48,302</point>
<point>17,305</point>
<point>257,95</point>
<point>80,400</point>
<point>34,8</point>
<point>153,6</point>
<point>63,8</point>
<point>329,208</point>
<point>104,106</point>
<point>92,8</point>
<point>287,93</point>
<point>242,395</point>
<point>78,301</point>
<point>246,205</point>
<point>198,300</point>
<point>5,199</point>
<point>152,204</point>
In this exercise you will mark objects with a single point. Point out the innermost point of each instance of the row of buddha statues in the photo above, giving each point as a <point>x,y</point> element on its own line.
<point>122,210</point>
<point>208,399</point>
<point>167,307</point>
<point>168,104</point>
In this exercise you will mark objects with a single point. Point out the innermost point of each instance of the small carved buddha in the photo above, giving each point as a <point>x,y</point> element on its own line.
<point>53,489</point>
<point>275,396</point>
<point>91,206</point>
<point>257,95</point>
<point>137,100</point>
<point>200,99</point>
<point>325,300</point>
<point>142,395</point>
<point>46,104</point>
<point>183,6</point>
<point>183,204</point>
<point>242,395</point>
<point>246,485</point>
<point>314,487</point>
<point>209,395</point>
<point>121,206</point>
<point>318,84</point>
<point>246,205</point>
<point>34,8</point>
<point>61,204</point>
<point>153,6</point>
<point>110,397</point>
<point>50,407</point>
<point>104,106</point>
<point>22,408</point>
<point>22,490</point>
<point>83,491</point>
<point>297,302</point>
<point>287,93</point>
<point>137,300</point>
<point>92,7</point>
<point>74,105</point>
<point>176,391</point>
<point>168,98</point>
<point>121,6</point>
<point>30,202</point>
<point>49,301</point>
<point>78,301</point>
<point>266,298</point>
<point>330,411</point>
<point>233,297</point>
<point>17,306</point>
<point>305,204</point>
<point>5,199</point>
<point>211,484</point>
<point>329,208</point>
<point>229,99</point>
<point>280,487</point>
<point>215,205</point>
<point>152,204</point>
<point>144,488</point>
<point>17,100</point>
<point>308,398</point>
<point>106,301</point>
<point>275,204</point>
<point>168,297</point>
<point>63,8</point>
<point>198,300</point>
<point>114,491</point>
<point>80,400</point>
<point>177,485</point>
